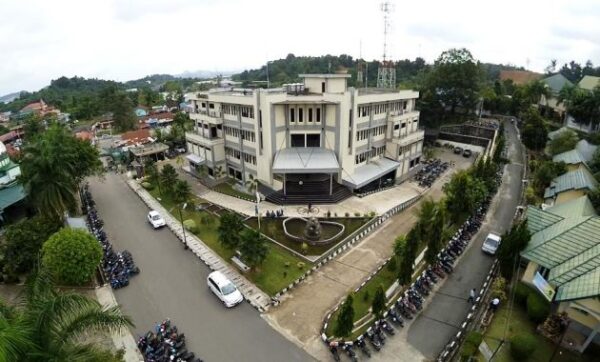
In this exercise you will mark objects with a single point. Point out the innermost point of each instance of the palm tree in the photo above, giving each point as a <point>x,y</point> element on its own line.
<point>168,177</point>
<point>182,192</point>
<point>48,325</point>
<point>252,183</point>
<point>535,90</point>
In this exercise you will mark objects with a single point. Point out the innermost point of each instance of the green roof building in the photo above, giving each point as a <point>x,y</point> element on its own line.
<point>11,191</point>
<point>564,254</point>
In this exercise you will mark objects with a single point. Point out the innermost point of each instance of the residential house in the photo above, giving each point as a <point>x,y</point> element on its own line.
<point>580,156</point>
<point>5,116</point>
<point>554,134</point>
<point>11,191</point>
<point>555,83</point>
<point>564,265</point>
<point>569,186</point>
<point>589,82</point>
<point>141,111</point>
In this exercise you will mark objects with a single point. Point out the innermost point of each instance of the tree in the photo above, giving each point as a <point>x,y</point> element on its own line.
<point>513,242</point>
<point>345,319</point>
<point>585,106</point>
<point>53,166</point>
<point>23,242</point>
<point>463,194</point>
<point>123,115</point>
<point>33,126</point>
<point>230,227</point>
<point>405,249</point>
<point>151,171</point>
<point>378,304</point>
<point>544,172</point>
<point>565,141</point>
<point>594,197</point>
<point>168,178</point>
<point>253,247</point>
<point>534,91</point>
<point>71,256</point>
<point>534,132</point>
<point>47,325</point>
<point>182,192</point>
<point>453,83</point>
<point>437,225</point>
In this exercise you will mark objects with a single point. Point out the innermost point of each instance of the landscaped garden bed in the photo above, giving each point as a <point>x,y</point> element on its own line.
<point>273,228</point>
<point>228,188</point>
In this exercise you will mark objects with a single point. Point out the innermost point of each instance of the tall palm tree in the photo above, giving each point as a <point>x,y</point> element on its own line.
<point>52,324</point>
<point>168,177</point>
<point>182,192</point>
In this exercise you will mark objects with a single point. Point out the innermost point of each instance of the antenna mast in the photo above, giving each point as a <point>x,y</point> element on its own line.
<point>359,68</point>
<point>386,74</point>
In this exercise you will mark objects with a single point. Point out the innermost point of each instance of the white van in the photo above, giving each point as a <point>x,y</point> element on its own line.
<point>491,244</point>
<point>224,289</point>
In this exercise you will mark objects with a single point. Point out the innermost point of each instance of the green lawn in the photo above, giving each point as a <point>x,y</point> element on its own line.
<point>272,276</point>
<point>273,228</point>
<point>519,323</point>
<point>228,189</point>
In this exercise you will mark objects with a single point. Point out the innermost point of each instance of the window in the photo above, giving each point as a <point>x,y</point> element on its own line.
<point>403,124</point>
<point>322,87</point>
<point>310,111</point>
<point>214,284</point>
<point>260,119</point>
<point>231,172</point>
<point>298,140</point>
<point>203,105</point>
<point>260,140</point>
<point>350,118</point>
<point>404,105</point>
<point>318,114</point>
<point>211,106</point>
<point>300,115</point>
<point>292,115</point>
<point>313,140</point>
<point>396,126</point>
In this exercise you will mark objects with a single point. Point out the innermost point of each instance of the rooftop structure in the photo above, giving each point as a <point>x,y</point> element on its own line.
<point>589,82</point>
<point>310,138</point>
<point>579,180</point>
<point>582,153</point>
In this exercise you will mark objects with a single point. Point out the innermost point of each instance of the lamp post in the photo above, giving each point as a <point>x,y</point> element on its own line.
<point>185,245</point>
<point>257,210</point>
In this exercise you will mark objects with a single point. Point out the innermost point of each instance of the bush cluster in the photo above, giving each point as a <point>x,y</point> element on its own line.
<point>538,308</point>
<point>522,346</point>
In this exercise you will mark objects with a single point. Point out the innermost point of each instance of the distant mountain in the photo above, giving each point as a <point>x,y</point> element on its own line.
<point>7,98</point>
<point>153,81</point>
<point>204,73</point>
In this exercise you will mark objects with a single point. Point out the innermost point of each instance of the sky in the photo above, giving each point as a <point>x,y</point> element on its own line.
<point>41,40</point>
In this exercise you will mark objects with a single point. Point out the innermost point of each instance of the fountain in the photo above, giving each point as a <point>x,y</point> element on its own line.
<point>312,230</point>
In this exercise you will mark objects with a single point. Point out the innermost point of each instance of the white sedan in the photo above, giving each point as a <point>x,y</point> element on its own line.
<point>155,219</point>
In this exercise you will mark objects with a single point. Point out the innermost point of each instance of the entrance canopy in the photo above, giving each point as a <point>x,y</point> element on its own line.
<point>305,160</point>
<point>369,172</point>
<point>195,159</point>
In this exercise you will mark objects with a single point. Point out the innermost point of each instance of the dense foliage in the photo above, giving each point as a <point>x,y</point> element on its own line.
<point>463,193</point>
<point>431,224</point>
<point>71,256</point>
<point>543,172</point>
<point>522,346</point>
<point>52,167</point>
<point>230,227</point>
<point>48,325</point>
<point>564,142</point>
<point>535,131</point>
<point>23,242</point>
<point>538,308</point>
<point>513,242</point>
<point>253,247</point>
<point>378,305</point>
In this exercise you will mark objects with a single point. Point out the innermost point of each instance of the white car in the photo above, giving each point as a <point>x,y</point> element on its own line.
<point>155,219</point>
<point>224,289</point>
<point>491,244</point>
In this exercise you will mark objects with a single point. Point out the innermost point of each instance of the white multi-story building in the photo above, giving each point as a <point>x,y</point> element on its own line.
<point>318,138</point>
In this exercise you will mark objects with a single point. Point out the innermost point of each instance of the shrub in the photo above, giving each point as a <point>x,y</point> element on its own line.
<point>300,265</point>
<point>357,214</point>
<point>391,265</point>
<point>522,291</point>
<point>328,214</point>
<point>206,219</point>
<point>522,346</point>
<point>147,185</point>
<point>538,308</point>
<point>190,225</point>
<point>71,256</point>
<point>366,296</point>
<point>471,345</point>
<point>499,289</point>
<point>304,248</point>
<point>347,214</point>
<point>287,264</point>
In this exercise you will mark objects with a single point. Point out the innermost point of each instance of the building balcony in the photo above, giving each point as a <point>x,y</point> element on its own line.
<point>403,115</point>
<point>411,138</point>
<point>202,140</point>
<point>213,117</point>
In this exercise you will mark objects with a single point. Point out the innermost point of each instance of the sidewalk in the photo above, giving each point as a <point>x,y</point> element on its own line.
<point>123,339</point>
<point>299,318</point>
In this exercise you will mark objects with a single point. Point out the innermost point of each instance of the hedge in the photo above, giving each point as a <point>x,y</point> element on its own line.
<point>471,345</point>
<point>538,308</point>
<point>522,291</point>
<point>190,225</point>
<point>522,346</point>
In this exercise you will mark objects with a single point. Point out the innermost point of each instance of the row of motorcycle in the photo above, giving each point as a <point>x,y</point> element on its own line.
<point>117,267</point>
<point>431,171</point>
<point>165,344</point>
<point>413,298</point>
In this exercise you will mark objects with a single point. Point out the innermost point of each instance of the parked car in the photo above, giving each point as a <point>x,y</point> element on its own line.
<point>467,153</point>
<point>491,244</point>
<point>224,289</point>
<point>458,150</point>
<point>155,219</point>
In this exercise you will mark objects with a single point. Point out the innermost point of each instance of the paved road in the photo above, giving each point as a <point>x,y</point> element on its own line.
<point>172,284</point>
<point>441,319</point>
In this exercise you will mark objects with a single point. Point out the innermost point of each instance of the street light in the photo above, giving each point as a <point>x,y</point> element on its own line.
<point>182,226</point>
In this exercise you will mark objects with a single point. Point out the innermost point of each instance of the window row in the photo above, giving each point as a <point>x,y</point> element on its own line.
<point>379,108</point>
<point>246,135</point>
<point>364,134</point>
<point>305,114</point>
<point>246,111</point>
<point>249,158</point>
<point>362,157</point>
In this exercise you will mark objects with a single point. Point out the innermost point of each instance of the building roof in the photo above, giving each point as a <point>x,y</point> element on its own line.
<point>582,153</point>
<point>573,180</point>
<point>305,160</point>
<point>568,245</point>
<point>589,82</point>
<point>34,106</point>
<point>194,158</point>
<point>326,75</point>
<point>552,135</point>
<point>10,136</point>
<point>149,149</point>
<point>11,195</point>
<point>139,136</point>
<point>556,82</point>
<point>84,135</point>
<point>519,76</point>
<point>571,157</point>
<point>371,171</point>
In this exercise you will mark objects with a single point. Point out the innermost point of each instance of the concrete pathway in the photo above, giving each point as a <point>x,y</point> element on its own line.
<point>300,316</point>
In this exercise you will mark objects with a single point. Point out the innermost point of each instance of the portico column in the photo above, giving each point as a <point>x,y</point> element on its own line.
<point>330,184</point>
<point>284,184</point>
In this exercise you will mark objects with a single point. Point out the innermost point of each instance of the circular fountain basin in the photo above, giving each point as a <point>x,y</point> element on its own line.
<point>293,227</point>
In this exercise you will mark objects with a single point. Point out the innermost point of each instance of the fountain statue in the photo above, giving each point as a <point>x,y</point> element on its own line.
<point>312,231</point>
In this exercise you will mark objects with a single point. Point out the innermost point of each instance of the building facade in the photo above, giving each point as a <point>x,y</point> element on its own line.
<point>314,137</point>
